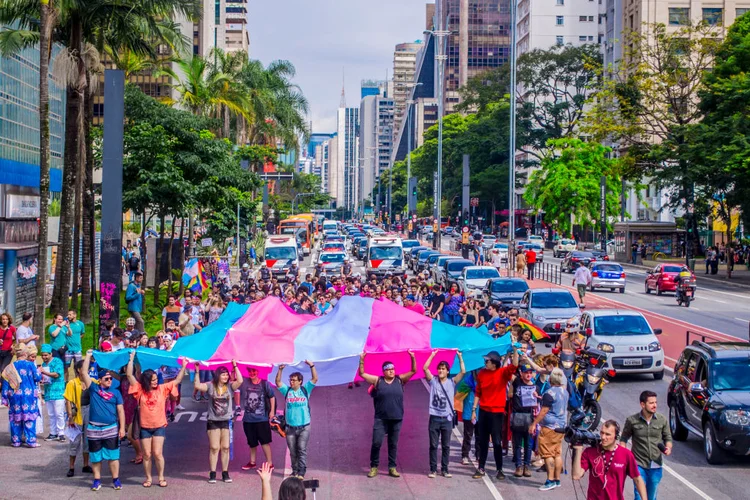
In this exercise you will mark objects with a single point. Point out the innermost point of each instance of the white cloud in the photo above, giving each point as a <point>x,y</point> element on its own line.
<point>322,38</point>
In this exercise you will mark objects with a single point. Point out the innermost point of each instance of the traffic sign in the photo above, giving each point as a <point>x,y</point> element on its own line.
<point>465,229</point>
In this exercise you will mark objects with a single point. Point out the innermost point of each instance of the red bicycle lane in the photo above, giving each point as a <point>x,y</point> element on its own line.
<point>674,331</point>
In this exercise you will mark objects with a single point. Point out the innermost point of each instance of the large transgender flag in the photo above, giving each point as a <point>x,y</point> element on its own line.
<point>269,333</point>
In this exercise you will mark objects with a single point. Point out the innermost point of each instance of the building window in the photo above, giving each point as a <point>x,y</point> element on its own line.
<point>560,40</point>
<point>560,2</point>
<point>591,19</point>
<point>591,38</point>
<point>560,21</point>
<point>582,38</point>
<point>679,16</point>
<point>713,16</point>
<point>739,12</point>
<point>582,19</point>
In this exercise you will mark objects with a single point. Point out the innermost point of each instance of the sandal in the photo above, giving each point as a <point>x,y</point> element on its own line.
<point>162,483</point>
<point>147,484</point>
<point>137,460</point>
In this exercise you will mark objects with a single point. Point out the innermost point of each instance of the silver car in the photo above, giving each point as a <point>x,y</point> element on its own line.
<point>549,309</point>
<point>607,275</point>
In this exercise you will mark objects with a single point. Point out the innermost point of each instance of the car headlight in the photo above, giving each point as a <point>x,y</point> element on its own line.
<point>606,347</point>
<point>567,364</point>
<point>654,346</point>
<point>737,417</point>
<point>593,379</point>
<point>540,318</point>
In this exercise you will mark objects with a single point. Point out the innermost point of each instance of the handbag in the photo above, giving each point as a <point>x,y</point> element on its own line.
<point>455,413</point>
<point>520,422</point>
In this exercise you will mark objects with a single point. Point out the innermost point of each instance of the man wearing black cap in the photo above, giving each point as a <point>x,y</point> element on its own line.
<point>491,397</point>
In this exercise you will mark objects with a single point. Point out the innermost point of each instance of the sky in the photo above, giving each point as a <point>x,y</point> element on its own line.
<point>330,39</point>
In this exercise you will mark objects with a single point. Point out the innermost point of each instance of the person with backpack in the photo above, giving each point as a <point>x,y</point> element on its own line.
<point>134,299</point>
<point>259,406</point>
<point>297,413</point>
<point>442,416</point>
<point>134,265</point>
<point>388,396</point>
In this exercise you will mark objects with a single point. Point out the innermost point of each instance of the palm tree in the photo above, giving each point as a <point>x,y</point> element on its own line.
<point>230,64</point>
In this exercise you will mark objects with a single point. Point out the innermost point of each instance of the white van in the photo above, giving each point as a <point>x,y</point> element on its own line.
<point>330,225</point>
<point>280,252</point>
<point>385,254</point>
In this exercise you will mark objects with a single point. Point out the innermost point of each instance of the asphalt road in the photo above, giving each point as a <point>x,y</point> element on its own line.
<point>341,433</point>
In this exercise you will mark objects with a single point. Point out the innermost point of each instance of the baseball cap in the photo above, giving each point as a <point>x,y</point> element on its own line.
<point>493,356</point>
<point>130,321</point>
<point>410,297</point>
<point>106,346</point>
<point>525,367</point>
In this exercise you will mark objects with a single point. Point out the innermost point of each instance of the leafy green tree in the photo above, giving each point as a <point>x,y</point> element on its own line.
<point>568,184</point>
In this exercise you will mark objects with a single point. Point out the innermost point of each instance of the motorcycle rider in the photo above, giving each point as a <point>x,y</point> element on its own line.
<point>684,277</point>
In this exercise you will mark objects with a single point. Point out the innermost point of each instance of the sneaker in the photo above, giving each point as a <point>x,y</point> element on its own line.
<point>350,386</point>
<point>225,477</point>
<point>71,473</point>
<point>51,437</point>
<point>212,477</point>
<point>548,485</point>
<point>465,461</point>
<point>96,485</point>
<point>116,484</point>
<point>249,466</point>
<point>88,470</point>
<point>479,474</point>
<point>447,474</point>
<point>179,407</point>
<point>171,417</point>
<point>373,472</point>
<point>393,472</point>
<point>61,438</point>
<point>432,474</point>
<point>557,484</point>
<point>500,475</point>
<point>526,471</point>
<point>518,472</point>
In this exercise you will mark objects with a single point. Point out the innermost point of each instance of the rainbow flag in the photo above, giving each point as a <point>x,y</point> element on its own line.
<point>194,277</point>
<point>537,334</point>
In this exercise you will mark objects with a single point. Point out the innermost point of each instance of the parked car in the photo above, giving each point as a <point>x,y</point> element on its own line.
<point>709,397</point>
<point>453,269</point>
<point>420,262</point>
<point>411,252</point>
<point>627,339</point>
<point>578,256</point>
<point>563,246</point>
<point>473,279</point>
<point>508,291</point>
<point>607,275</point>
<point>439,268</point>
<point>661,277</point>
<point>548,308</point>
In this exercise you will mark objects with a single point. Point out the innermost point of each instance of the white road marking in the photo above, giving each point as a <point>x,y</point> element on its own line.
<point>487,481</point>
<point>745,320</point>
<point>715,300</point>
<point>287,463</point>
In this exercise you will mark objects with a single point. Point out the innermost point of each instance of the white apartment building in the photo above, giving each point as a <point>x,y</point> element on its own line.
<point>347,159</point>
<point>404,68</point>
<point>541,24</point>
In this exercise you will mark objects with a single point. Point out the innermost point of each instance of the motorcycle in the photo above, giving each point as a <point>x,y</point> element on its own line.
<point>685,292</point>
<point>591,377</point>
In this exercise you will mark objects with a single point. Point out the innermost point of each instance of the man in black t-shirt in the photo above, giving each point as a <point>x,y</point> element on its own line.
<point>484,314</point>
<point>437,302</point>
<point>523,403</point>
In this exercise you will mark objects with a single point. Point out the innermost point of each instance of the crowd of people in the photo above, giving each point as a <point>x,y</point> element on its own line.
<point>518,401</point>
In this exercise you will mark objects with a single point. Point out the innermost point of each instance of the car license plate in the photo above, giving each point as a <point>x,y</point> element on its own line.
<point>632,362</point>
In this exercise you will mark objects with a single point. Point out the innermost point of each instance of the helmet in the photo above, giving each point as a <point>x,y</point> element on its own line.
<point>245,266</point>
<point>685,274</point>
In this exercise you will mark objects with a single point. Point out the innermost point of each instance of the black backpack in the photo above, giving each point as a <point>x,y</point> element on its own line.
<point>133,263</point>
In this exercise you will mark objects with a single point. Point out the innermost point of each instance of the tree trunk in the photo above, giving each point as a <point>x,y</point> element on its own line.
<point>182,254</point>
<point>88,269</point>
<point>169,258</point>
<point>159,255</point>
<point>191,235</point>
<point>226,121</point>
<point>80,179</point>
<point>144,250</point>
<point>45,32</point>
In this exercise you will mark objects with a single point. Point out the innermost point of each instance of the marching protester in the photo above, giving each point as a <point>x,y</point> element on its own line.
<point>77,406</point>
<point>259,407</point>
<point>20,394</point>
<point>648,430</point>
<point>608,464</point>
<point>106,424</point>
<point>388,397</point>
<point>442,415</point>
<point>220,392</point>
<point>491,397</point>
<point>152,401</point>
<point>523,404</point>
<point>7,334</point>
<point>297,400</point>
<point>134,298</point>
<point>552,417</point>
<point>53,381</point>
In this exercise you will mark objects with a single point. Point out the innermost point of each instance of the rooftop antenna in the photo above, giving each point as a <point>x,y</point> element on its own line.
<point>342,104</point>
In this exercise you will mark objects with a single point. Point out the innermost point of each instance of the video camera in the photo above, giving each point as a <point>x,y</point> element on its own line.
<point>579,437</point>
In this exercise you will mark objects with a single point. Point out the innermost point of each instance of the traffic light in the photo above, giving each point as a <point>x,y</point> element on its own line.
<point>466,218</point>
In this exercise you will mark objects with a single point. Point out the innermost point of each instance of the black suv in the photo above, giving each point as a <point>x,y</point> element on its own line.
<point>710,397</point>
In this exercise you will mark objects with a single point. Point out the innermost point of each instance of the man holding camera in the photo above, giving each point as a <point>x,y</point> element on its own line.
<point>651,437</point>
<point>609,464</point>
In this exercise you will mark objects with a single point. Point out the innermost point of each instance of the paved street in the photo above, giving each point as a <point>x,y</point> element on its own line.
<point>341,432</point>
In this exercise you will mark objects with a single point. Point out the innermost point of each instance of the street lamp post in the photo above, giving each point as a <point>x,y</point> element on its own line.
<point>409,110</point>
<point>512,141</point>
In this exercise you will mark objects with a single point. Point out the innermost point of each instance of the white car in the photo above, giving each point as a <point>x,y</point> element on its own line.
<point>474,278</point>
<point>628,340</point>
<point>562,247</point>
<point>535,238</point>
<point>488,241</point>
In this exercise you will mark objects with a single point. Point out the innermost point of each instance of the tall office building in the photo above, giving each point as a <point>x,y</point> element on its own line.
<point>404,68</point>
<point>236,36</point>
<point>333,170</point>
<point>479,40</point>
<point>19,173</point>
<point>567,22</point>
<point>347,164</point>
<point>375,144</point>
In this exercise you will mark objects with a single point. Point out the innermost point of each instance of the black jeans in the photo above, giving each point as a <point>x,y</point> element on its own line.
<point>469,433</point>
<point>521,439</point>
<point>5,358</point>
<point>530,270</point>
<point>380,428</point>
<point>490,424</point>
<point>440,430</point>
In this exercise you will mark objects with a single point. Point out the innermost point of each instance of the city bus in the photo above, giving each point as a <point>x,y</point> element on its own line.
<point>302,228</point>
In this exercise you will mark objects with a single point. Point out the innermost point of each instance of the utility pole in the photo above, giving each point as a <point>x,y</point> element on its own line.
<point>512,141</point>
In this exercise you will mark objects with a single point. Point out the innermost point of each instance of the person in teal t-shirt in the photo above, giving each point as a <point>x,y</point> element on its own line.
<point>53,381</point>
<point>76,330</point>
<point>297,398</point>
<point>58,332</point>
